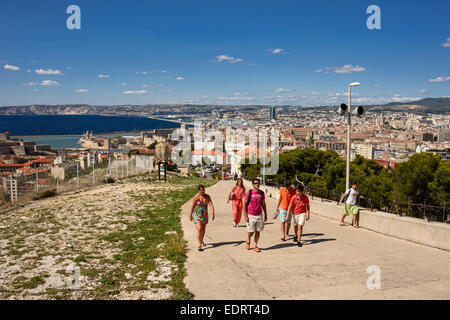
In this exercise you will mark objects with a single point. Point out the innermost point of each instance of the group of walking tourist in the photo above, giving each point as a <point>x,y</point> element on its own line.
<point>292,208</point>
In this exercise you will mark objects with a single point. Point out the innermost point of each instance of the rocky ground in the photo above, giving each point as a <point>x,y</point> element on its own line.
<point>116,241</point>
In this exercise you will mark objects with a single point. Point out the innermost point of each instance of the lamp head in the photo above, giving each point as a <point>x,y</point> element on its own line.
<point>354,84</point>
<point>342,109</point>
<point>359,111</point>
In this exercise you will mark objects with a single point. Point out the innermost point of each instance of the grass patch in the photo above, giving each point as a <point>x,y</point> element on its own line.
<point>33,282</point>
<point>80,259</point>
<point>161,217</point>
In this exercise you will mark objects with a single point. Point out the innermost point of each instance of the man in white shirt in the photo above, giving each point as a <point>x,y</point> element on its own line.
<point>350,204</point>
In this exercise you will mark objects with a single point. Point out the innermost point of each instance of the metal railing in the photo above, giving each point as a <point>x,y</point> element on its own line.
<point>429,212</point>
<point>19,189</point>
<point>425,211</point>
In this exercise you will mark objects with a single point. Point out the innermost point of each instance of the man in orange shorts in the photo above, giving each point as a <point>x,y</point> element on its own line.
<point>282,207</point>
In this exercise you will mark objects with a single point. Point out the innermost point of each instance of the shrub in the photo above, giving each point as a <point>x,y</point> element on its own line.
<point>109,180</point>
<point>45,194</point>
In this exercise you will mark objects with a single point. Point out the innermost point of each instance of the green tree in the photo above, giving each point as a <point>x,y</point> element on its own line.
<point>153,145</point>
<point>440,187</point>
<point>413,177</point>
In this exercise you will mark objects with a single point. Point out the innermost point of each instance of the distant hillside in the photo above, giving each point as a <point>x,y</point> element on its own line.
<point>432,105</point>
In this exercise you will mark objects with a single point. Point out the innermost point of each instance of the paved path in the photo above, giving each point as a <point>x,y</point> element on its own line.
<point>332,264</point>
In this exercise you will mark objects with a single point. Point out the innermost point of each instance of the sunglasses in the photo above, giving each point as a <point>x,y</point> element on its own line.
<point>256,183</point>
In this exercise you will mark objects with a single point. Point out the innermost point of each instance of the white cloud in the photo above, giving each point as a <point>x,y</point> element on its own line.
<point>124,84</point>
<point>447,43</point>
<point>135,92</point>
<point>81,90</point>
<point>224,58</point>
<point>48,72</point>
<point>10,67</point>
<point>283,90</point>
<point>30,84</point>
<point>179,78</point>
<point>423,91</point>
<point>276,51</point>
<point>36,90</point>
<point>236,60</point>
<point>228,59</point>
<point>440,79</point>
<point>237,98</point>
<point>404,99</point>
<point>348,68</point>
<point>103,75</point>
<point>49,83</point>
<point>345,69</point>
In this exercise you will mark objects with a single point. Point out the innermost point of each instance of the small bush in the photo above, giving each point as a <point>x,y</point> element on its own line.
<point>110,180</point>
<point>4,197</point>
<point>45,194</point>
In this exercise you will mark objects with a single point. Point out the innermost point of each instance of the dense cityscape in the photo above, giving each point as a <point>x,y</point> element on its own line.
<point>388,137</point>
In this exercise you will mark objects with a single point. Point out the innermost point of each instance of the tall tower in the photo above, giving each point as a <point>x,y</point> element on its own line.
<point>272,113</point>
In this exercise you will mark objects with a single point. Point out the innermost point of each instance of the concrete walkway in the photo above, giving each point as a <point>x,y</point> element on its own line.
<point>332,264</point>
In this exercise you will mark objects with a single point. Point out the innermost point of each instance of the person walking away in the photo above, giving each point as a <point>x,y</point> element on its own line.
<point>292,192</point>
<point>301,212</point>
<point>282,206</point>
<point>254,205</point>
<point>199,214</point>
<point>236,195</point>
<point>350,197</point>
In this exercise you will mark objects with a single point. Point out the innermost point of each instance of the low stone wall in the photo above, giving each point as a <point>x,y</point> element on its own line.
<point>433,234</point>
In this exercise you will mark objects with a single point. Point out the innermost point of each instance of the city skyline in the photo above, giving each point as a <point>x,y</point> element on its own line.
<point>234,53</point>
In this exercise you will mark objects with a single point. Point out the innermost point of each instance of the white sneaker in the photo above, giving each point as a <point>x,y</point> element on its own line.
<point>234,224</point>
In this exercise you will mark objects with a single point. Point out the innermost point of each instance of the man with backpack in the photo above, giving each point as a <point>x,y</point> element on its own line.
<point>349,198</point>
<point>254,204</point>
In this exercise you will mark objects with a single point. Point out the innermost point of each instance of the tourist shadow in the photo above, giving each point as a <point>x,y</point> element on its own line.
<point>280,246</point>
<point>312,235</point>
<point>220,244</point>
<point>315,241</point>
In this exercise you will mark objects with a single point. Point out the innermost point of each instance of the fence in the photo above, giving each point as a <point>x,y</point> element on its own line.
<point>425,211</point>
<point>17,189</point>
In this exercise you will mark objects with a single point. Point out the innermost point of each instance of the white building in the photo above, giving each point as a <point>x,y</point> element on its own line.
<point>365,150</point>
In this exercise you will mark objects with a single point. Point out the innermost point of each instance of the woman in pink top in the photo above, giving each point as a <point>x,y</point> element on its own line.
<point>237,195</point>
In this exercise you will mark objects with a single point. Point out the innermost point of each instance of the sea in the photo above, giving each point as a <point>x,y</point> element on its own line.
<point>64,131</point>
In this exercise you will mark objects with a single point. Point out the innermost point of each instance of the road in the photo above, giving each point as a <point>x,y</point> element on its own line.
<point>332,264</point>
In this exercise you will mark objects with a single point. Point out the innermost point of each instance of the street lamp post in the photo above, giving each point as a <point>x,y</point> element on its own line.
<point>349,127</point>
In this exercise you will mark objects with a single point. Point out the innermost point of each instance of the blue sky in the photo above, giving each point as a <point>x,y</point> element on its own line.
<point>223,52</point>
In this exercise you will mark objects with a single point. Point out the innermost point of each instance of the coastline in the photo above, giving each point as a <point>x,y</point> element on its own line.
<point>64,131</point>
<point>76,135</point>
